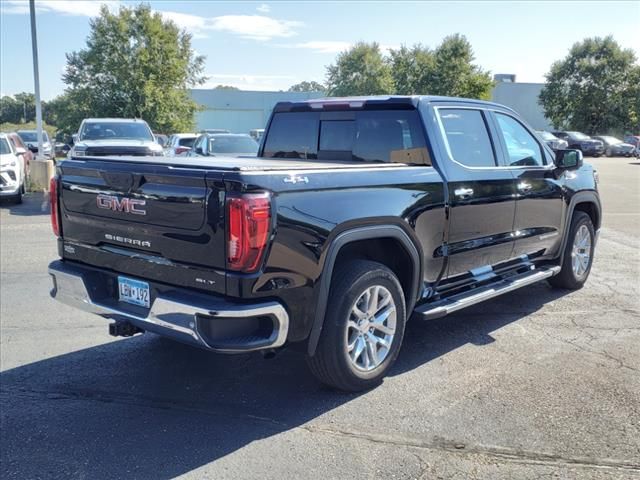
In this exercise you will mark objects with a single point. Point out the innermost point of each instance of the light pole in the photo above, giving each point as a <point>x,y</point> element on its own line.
<point>36,76</point>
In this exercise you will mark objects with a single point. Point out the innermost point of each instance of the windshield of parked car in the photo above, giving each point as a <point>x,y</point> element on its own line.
<point>578,135</point>
<point>32,137</point>
<point>116,130</point>
<point>233,145</point>
<point>610,140</point>
<point>4,146</point>
<point>547,136</point>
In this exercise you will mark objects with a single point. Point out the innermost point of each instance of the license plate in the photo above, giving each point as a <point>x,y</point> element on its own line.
<point>133,291</point>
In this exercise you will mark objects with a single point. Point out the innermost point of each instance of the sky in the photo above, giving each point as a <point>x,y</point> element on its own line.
<point>273,45</point>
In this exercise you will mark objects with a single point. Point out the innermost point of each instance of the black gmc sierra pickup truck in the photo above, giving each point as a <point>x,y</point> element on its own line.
<point>358,214</point>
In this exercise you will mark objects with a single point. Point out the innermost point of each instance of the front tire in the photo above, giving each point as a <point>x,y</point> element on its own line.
<point>578,254</point>
<point>363,327</point>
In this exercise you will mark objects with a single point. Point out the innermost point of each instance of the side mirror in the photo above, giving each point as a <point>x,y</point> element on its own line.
<point>199,151</point>
<point>20,151</point>
<point>568,159</point>
<point>74,139</point>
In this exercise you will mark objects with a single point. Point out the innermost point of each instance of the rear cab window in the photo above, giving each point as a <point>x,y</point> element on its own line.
<point>368,136</point>
<point>467,136</point>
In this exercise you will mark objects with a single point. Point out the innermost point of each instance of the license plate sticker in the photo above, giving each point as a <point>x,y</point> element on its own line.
<point>133,291</point>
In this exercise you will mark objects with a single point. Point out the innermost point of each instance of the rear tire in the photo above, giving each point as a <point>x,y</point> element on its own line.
<point>578,254</point>
<point>363,327</point>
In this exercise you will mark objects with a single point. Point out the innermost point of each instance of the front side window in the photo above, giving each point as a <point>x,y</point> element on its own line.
<point>522,148</point>
<point>468,138</point>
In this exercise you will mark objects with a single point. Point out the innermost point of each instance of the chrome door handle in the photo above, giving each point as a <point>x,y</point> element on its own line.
<point>463,192</point>
<point>524,187</point>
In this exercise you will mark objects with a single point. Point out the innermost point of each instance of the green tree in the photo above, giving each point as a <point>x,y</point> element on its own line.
<point>135,65</point>
<point>454,72</point>
<point>305,86</point>
<point>361,70</point>
<point>595,88</point>
<point>412,69</point>
<point>10,110</point>
<point>20,108</point>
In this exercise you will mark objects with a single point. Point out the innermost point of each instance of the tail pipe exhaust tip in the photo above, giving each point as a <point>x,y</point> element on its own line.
<point>123,329</point>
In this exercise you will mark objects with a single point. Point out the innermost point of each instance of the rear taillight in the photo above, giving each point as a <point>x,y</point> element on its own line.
<point>53,200</point>
<point>248,222</point>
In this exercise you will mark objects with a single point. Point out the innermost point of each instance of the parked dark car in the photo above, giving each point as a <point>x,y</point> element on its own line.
<point>357,215</point>
<point>554,142</point>
<point>582,142</point>
<point>224,144</point>
<point>614,147</point>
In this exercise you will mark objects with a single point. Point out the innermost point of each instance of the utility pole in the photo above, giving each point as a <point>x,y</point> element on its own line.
<point>36,77</point>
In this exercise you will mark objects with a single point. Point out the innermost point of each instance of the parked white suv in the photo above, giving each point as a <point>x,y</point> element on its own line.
<point>99,137</point>
<point>12,168</point>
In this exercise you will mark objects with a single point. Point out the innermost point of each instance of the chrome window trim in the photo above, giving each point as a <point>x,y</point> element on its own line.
<point>443,133</point>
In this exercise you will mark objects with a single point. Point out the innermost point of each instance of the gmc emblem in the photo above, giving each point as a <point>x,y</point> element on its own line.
<point>126,205</point>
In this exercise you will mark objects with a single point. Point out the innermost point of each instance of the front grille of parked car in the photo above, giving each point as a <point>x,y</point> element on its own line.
<point>104,151</point>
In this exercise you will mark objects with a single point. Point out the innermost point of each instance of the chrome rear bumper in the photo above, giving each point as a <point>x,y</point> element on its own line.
<point>179,314</point>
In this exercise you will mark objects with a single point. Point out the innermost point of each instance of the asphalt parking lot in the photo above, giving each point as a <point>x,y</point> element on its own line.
<point>538,383</point>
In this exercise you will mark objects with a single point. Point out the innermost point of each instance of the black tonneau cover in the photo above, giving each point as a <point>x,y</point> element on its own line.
<point>251,164</point>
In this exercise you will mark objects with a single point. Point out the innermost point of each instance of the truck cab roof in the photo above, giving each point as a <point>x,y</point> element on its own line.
<point>378,101</point>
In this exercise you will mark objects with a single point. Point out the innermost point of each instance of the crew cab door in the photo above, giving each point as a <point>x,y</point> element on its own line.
<point>481,192</point>
<point>540,206</point>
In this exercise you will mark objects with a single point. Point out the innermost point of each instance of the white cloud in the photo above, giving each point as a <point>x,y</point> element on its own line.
<point>264,8</point>
<point>321,46</point>
<point>84,8</point>
<point>250,81</point>
<point>332,46</point>
<point>253,27</point>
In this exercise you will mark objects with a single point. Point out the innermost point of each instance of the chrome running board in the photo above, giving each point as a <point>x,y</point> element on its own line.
<point>440,308</point>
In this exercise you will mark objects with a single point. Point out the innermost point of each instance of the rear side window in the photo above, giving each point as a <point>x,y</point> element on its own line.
<point>293,135</point>
<point>468,138</point>
<point>361,136</point>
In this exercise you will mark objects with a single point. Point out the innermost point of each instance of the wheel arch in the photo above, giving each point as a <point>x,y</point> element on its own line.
<point>366,242</point>
<point>588,202</point>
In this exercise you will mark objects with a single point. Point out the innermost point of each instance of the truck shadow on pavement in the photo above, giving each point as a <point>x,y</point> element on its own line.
<point>149,408</point>
<point>33,204</point>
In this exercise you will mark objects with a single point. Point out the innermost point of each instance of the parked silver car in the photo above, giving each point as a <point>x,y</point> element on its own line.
<point>224,144</point>
<point>114,136</point>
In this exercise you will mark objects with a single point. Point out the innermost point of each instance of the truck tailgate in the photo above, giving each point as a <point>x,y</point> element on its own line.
<point>149,220</point>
